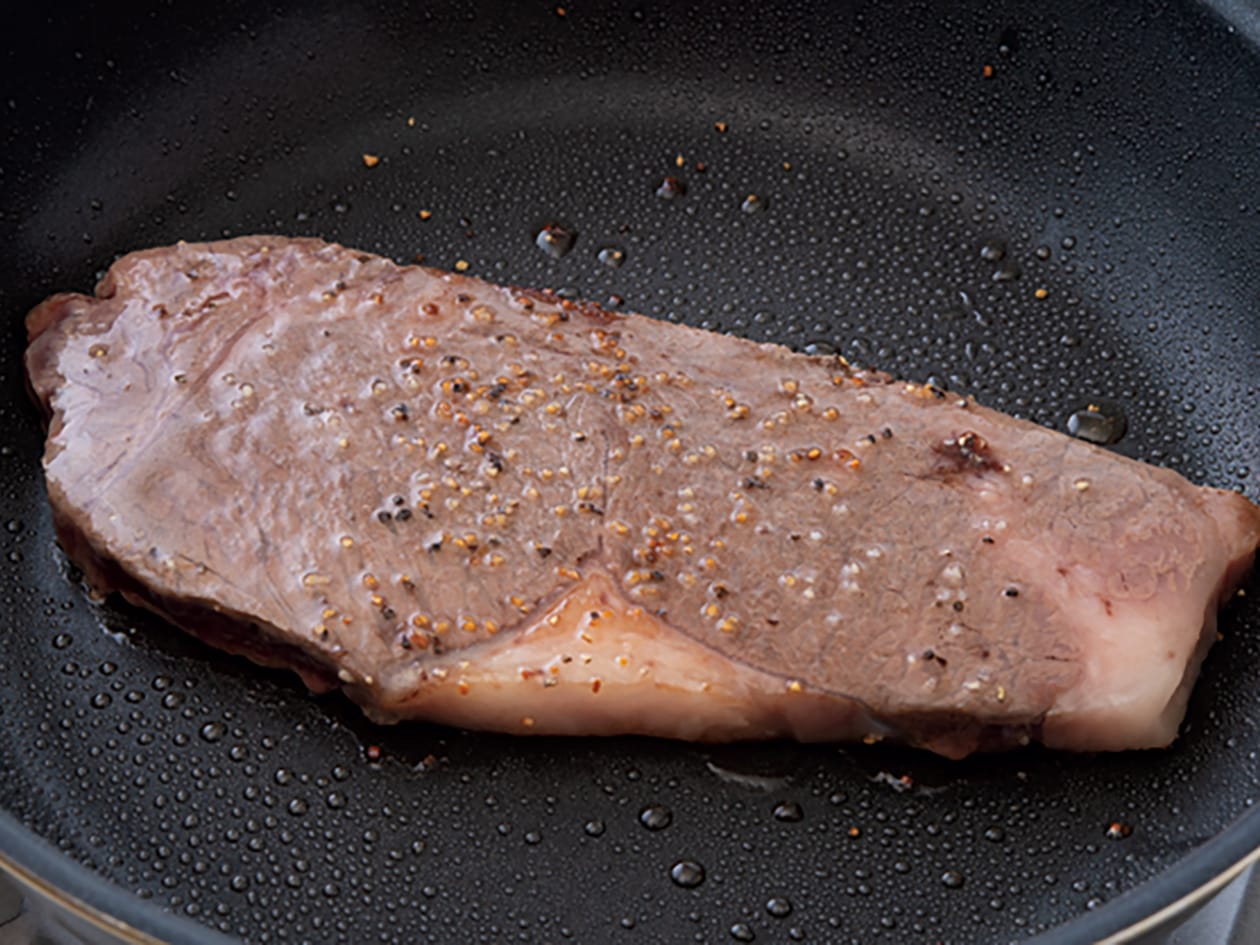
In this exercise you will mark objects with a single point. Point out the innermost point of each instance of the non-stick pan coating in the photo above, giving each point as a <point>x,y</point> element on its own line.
<point>921,173</point>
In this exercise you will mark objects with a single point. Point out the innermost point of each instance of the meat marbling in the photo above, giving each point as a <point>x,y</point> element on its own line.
<point>498,509</point>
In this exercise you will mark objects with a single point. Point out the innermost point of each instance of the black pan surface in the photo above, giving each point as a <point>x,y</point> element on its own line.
<point>898,182</point>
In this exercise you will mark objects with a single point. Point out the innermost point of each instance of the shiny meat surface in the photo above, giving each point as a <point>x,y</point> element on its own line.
<point>498,509</point>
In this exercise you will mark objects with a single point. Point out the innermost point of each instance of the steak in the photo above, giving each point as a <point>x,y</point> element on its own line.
<point>500,509</point>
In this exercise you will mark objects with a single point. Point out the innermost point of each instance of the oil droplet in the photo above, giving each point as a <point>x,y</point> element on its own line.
<point>656,817</point>
<point>741,932</point>
<point>754,203</point>
<point>687,874</point>
<point>555,239</point>
<point>1102,425</point>
<point>212,731</point>
<point>952,879</point>
<point>993,251</point>
<point>612,256</point>
<point>819,348</point>
<point>594,828</point>
<point>779,907</point>
<point>670,188</point>
<point>1007,272</point>
<point>789,812</point>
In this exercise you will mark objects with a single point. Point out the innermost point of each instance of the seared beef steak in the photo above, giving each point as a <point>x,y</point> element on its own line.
<point>498,509</point>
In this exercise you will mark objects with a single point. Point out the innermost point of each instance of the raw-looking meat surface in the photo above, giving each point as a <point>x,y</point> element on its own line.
<point>497,509</point>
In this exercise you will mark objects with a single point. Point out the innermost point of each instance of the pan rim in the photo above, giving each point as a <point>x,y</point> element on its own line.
<point>42,868</point>
<point>1147,908</point>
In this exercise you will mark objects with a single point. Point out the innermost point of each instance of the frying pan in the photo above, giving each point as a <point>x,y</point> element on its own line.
<point>1044,205</point>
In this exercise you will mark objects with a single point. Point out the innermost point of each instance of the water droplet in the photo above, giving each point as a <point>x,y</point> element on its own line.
<point>995,835</point>
<point>336,800</point>
<point>612,256</point>
<point>789,812</point>
<point>1069,242</point>
<point>239,882</point>
<point>952,879</point>
<point>656,817</point>
<point>627,922</point>
<point>754,203</point>
<point>555,239</point>
<point>670,188</point>
<point>1101,424</point>
<point>742,932</point>
<point>298,806</point>
<point>101,700</point>
<point>13,526</point>
<point>1119,830</point>
<point>594,828</point>
<point>212,731</point>
<point>533,838</point>
<point>779,907</point>
<point>687,873</point>
<point>819,348</point>
<point>62,640</point>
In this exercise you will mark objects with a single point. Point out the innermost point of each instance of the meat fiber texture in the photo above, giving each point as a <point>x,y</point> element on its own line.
<point>498,509</point>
